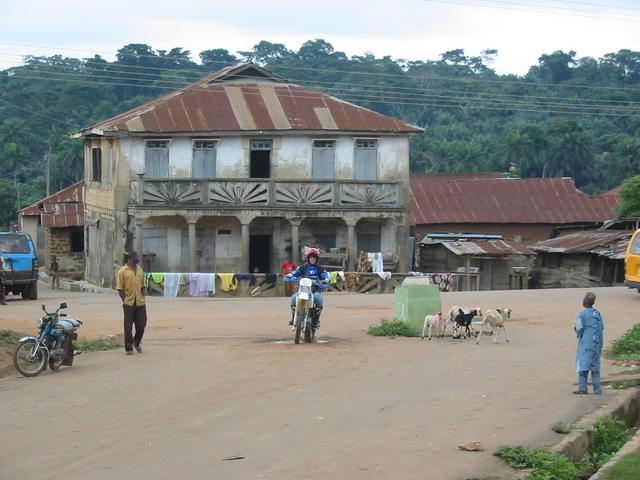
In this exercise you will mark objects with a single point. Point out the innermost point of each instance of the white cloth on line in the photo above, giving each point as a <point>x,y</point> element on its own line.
<point>171,284</point>
<point>212,283</point>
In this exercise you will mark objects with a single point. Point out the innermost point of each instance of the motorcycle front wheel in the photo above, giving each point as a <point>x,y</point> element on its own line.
<point>25,363</point>
<point>298,323</point>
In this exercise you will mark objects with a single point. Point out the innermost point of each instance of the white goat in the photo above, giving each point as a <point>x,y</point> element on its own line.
<point>495,318</point>
<point>433,321</point>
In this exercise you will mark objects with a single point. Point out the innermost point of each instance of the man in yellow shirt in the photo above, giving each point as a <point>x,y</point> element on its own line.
<point>130,285</point>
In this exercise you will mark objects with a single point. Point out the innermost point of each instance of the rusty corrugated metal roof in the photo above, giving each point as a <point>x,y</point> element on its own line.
<point>607,243</point>
<point>248,98</point>
<point>62,209</point>
<point>489,199</point>
<point>488,248</point>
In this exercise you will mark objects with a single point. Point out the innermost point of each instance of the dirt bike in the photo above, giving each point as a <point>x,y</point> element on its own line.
<point>53,345</point>
<point>304,311</point>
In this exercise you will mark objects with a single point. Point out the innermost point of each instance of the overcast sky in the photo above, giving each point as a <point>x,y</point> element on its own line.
<point>411,29</point>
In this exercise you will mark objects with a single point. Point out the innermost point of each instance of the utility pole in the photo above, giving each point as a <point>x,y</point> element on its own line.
<point>48,160</point>
<point>15,179</point>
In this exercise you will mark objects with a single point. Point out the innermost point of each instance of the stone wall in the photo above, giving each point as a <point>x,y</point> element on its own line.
<point>58,243</point>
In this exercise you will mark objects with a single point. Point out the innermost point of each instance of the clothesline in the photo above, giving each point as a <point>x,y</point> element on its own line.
<point>204,284</point>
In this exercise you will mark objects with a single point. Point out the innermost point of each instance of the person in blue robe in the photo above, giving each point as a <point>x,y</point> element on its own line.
<point>589,328</point>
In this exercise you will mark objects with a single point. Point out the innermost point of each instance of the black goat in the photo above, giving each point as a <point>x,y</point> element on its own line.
<point>464,319</point>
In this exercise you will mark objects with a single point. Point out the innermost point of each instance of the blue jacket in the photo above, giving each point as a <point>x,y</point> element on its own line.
<point>589,329</point>
<point>314,272</point>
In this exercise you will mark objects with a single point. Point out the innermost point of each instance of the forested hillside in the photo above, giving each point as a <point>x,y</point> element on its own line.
<point>568,116</point>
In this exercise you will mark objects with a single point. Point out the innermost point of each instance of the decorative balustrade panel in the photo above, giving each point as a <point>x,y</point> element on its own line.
<point>239,193</point>
<point>305,194</point>
<point>369,195</point>
<point>172,192</point>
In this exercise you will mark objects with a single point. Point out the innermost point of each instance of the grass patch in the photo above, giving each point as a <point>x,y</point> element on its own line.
<point>392,329</point>
<point>623,384</point>
<point>8,337</point>
<point>561,428</point>
<point>627,347</point>
<point>546,465</point>
<point>97,345</point>
<point>627,468</point>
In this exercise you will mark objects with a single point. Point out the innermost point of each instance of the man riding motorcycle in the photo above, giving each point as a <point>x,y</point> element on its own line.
<point>312,270</point>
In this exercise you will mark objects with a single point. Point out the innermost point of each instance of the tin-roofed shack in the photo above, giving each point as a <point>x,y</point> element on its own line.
<point>480,262</point>
<point>523,209</point>
<point>56,224</point>
<point>593,258</point>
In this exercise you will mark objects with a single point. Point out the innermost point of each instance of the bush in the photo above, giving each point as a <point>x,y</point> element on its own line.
<point>627,347</point>
<point>392,329</point>
<point>546,465</point>
<point>609,436</point>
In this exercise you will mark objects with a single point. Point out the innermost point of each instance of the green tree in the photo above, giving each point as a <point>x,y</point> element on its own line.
<point>629,197</point>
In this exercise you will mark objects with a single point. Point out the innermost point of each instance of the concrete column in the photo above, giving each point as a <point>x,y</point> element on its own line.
<point>138,246</point>
<point>351,245</point>
<point>140,199</point>
<point>192,246</point>
<point>403,251</point>
<point>244,233</point>
<point>295,241</point>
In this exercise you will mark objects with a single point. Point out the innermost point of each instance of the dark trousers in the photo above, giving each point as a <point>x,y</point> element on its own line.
<point>134,316</point>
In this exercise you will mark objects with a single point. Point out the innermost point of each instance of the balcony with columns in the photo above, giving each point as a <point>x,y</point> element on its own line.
<point>245,200</point>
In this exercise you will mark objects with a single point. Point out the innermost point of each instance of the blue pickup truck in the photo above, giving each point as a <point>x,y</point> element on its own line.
<point>20,264</point>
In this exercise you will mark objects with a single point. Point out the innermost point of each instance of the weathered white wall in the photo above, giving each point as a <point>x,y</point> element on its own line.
<point>291,157</point>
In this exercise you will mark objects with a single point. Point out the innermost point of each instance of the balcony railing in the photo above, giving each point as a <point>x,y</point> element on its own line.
<point>265,193</point>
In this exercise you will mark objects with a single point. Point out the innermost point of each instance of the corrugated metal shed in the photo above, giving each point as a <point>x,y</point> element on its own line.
<point>606,243</point>
<point>490,199</point>
<point>248,98</point>
<point>62,209</point>
<point>485,248</point>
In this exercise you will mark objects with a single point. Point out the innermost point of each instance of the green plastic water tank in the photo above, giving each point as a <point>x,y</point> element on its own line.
<point>414,299</point>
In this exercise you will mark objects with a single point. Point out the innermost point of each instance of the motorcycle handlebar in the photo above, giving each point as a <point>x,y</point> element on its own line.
<point>292,279</point>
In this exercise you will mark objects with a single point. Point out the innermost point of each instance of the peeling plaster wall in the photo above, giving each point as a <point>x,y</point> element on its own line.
<point>291,157</point>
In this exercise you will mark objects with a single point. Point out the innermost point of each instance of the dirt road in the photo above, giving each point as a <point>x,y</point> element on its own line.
<point>209,386</point>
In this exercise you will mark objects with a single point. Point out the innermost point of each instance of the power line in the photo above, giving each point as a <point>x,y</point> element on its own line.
<point>369,73</point>
<point>163,77</point>
<point>424,104</point>
<point>374,97</point>
<point>501,5</point>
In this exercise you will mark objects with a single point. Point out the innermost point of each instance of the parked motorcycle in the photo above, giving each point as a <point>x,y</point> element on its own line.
<point>303,317</point>
<point>52,346</point>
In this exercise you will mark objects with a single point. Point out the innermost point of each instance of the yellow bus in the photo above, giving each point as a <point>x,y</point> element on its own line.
<point>632,262</point>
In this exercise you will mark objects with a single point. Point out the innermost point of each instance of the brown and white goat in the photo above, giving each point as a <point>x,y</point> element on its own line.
<point>495,319</point>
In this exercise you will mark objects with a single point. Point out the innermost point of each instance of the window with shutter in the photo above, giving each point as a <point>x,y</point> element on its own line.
<point>368,238</point>
<point>156,159</point>
<point>365,160</point>
<point>203,163</point>
<point>323,163</point>
<point>96,164</point>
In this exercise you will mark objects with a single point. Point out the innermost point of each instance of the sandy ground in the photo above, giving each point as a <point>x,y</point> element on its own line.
<point>209,386</point>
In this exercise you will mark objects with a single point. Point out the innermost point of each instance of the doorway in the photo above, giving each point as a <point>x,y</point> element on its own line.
<point>260,159</point>
<point>260,248</point>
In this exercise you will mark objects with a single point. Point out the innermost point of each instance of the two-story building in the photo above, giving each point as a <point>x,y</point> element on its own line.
<point>236,172</point>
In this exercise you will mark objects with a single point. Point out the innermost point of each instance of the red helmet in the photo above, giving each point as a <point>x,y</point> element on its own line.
<point>313,251</point>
